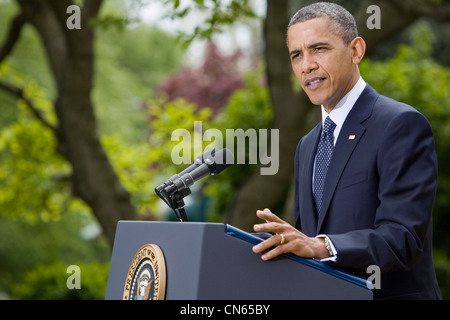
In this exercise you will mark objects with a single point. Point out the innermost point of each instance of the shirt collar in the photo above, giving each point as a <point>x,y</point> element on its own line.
<point>343,107</point>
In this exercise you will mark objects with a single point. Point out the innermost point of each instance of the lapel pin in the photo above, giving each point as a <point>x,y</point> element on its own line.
<point>351,137</point>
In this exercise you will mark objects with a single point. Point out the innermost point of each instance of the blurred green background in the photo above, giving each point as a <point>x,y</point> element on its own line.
<point>83,147</point>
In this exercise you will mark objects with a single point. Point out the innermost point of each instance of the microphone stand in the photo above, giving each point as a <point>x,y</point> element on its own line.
<point>174,199</point>
<point>177,203</point>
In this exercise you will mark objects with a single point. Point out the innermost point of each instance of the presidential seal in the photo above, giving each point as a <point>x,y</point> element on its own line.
<point>146,277</point>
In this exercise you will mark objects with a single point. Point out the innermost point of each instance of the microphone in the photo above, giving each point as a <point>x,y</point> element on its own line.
<point>214,163</point>
<point>176,187</point>
<point>197,162</point>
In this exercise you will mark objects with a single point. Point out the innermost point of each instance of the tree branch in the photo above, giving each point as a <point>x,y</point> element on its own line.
<point>59,8</point>
<point>19,93</point>
<point>13,35</point>
<point>390,27</point>
<point>439,12</point>
<point>90,9</point>
<point>47,25</point>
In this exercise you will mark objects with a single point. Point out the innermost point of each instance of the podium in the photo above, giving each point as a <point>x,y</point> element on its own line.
<point>214,261</point>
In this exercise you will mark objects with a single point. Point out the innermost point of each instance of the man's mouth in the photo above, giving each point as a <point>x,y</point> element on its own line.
<point>313,83</point>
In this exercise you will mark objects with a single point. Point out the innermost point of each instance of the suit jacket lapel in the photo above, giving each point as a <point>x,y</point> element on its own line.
<point>345,146</point>
<point>309,224</point>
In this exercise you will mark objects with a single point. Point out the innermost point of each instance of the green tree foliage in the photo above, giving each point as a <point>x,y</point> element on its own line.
<point>216,15</point>
<point>49,282</point>
<point>248,108</point>
<point>130,64</point>
<point>30,170</point>
<point>25,245</point>
<point>142,166</point>
<point>34,188</point>
<point>28,59</point>
<point>127,69</point>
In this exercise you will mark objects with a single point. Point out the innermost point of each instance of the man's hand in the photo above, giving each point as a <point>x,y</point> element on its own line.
<point>286,239</point>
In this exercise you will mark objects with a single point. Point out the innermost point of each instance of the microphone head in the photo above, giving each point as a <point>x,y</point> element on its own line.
<point>219,160</point>
<point>201,158</point>
<point>197,162</point>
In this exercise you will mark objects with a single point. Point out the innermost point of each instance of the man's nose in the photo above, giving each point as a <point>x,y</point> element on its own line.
<point>309,64</point>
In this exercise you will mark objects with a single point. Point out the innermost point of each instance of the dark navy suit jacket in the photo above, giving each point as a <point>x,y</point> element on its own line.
<point>379,194</point>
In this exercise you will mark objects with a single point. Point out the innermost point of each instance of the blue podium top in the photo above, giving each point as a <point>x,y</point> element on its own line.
<point>253,239</point>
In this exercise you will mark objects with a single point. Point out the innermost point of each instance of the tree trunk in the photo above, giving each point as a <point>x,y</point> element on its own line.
<point>71,57</point>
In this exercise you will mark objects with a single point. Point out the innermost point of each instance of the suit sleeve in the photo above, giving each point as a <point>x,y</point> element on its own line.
<point>407,169</point>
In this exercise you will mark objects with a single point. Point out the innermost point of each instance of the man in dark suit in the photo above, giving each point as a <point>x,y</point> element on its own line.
<point>366,176</point>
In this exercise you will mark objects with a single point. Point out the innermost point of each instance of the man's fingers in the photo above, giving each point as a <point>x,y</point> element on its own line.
<point>272,246</point>
<point>267,215</point>
<point>273,227</point>
<point>275,252</point>
<point>267,244</point>
<point>273,224</point>
<point>285,239</point>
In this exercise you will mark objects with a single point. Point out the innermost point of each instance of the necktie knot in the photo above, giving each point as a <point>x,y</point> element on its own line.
<point>329,126</point>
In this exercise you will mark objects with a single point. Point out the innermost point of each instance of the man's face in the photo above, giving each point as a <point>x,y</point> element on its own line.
<point>323,64</point>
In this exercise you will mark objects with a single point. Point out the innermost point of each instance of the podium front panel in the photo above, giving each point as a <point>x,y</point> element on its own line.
<point>205,261</point>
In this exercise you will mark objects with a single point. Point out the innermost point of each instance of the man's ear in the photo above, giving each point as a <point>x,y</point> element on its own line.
<point>358,46</point>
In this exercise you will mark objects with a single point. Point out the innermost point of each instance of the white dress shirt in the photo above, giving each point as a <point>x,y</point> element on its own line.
<point>343,107</point>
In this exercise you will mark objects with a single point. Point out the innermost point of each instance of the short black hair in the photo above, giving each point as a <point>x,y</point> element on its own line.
<point>343,23</point>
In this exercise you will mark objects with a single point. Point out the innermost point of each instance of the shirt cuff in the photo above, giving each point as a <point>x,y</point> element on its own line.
<point>333,257</point>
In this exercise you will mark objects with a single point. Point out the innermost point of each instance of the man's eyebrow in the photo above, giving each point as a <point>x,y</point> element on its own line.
<point>317,44</point>
<point>294,52</point>
<point>311,46</point>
